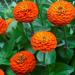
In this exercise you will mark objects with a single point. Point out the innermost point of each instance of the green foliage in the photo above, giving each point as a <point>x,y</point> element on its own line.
<point>61,61</point>
<point>50,57</point>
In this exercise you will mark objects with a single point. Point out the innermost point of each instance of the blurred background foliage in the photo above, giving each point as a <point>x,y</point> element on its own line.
<point>61,61</point>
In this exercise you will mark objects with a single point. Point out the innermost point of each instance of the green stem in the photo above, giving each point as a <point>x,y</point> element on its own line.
<point>45,66</point>
<point>21,30</point>
<point>32,28</point>
<point>65,37</point>
<point>25,34</point>
<point>44,58</point>
<point>6,4</point>
<point>40,12</point>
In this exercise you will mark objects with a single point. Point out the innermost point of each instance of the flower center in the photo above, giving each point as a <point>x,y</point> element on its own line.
<point>21,59</point>
<point>60,10</point>
<point>44,39</point>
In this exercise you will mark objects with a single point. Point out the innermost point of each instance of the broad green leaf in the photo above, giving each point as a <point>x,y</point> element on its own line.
<point>65,53</point>
<point>10,72</point>
<point>50,57</point>
<point>61,69</point>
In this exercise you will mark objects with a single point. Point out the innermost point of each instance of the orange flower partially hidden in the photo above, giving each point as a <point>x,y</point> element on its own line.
<point>26,0</point>
<point>25,11</point>
<point>44,41</point>
<point>23,62</point>
<point>60,13</point>
<point>10,20</point>
<point>3,26</point>
<point>1,72</point>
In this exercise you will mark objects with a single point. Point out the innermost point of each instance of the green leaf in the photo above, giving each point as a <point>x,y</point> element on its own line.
<point>3,59</point>
<point>73,63</point>
<point>61,69</point>
<point>65,53</point>
<point>10,72</point>
<point>1,44</point>
<point>71,41</point>
<point>53,0</point>
<point>50,57</point>
<point>12,26</point>
<point>40,70</point>
<point>9,47</point>
<point>13,4</point>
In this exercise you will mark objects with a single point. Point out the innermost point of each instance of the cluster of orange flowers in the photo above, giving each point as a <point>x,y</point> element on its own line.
<point>60,13</point>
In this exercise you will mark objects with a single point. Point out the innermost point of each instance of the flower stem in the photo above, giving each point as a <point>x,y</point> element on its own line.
<point>32,28</point>
<point>21,29</point>
<point>40,12</point>
<point>44,58</point>
<point>65,37</point>
<point>6,4</point>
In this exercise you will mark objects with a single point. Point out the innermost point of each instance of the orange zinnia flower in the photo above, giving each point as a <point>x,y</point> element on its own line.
<point>3,26</point>
<point>1,72</point>
<point>44,41</point>
<point>25,11</point>
<point>22,62</point>
<point>60,13</point>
